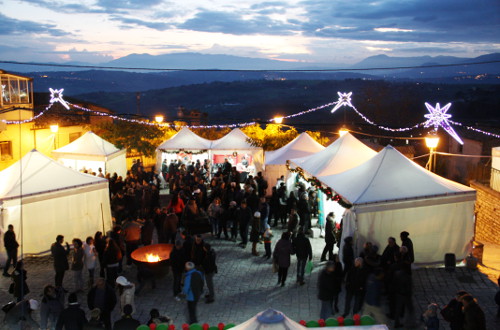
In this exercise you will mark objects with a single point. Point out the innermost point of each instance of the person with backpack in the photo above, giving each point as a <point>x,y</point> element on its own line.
<point>193,288</point>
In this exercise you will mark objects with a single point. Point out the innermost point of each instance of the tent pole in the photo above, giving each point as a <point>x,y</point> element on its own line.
<point>102,219</point>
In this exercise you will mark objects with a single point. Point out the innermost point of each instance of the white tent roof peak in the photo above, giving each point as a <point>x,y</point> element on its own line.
<point>390,176</point>
<point>234,140</point>
<point>303,145</point>
<point>36,173</point>
<point>88,144</point>
<point>185,139</point>
<point>343,154</point>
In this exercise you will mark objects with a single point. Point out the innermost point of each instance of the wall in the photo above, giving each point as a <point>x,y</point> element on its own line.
<point>487,214</point>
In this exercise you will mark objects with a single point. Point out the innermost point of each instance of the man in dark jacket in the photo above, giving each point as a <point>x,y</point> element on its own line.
<point>304,211</point>
<point>327,290</point>
<point>178,261</point>
<point>102,296</point>
<point>127,322</point>
<point>473,314</point>
<point>329,237</point>
<point>388,256</point>
<point>355,286</point>
<point>406,241</point>
<point>11,245</point>
<point>60,255</point>
<point>244,216</point>
<point>303,251</point>
<point>193,288</point>
<point>73,317</point>
<point>210,269</point>
<point>348,254</point>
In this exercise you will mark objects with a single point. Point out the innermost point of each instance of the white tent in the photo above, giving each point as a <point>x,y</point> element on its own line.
<point>43,198</point>
<point>269,320</point>
<point>345,153</point>
<point>391,194</point>
<point>185,145</point>
<point>90,151</point>
<point>239,151</point>
<point>495,169</point>
<point>303,145</point>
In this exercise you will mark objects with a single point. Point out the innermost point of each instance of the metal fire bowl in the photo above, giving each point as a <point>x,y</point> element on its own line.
<point>159,268</point>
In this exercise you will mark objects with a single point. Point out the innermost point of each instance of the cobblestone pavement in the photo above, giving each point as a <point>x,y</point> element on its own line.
<point>245,285</point>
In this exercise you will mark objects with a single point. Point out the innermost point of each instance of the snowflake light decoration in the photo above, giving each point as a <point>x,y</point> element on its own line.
<point>344,99</point>
<point>437,116</point>
<point>56,96</point>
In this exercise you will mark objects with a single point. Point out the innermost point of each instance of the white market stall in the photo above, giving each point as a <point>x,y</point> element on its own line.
<point>495,168</point>
<point>391,194</point>
<point>343,154</point>
<point>43,199</point>
<point>185,146</point>
<point>234,146</point>
<point>91,152</point>
<point>302,146</point>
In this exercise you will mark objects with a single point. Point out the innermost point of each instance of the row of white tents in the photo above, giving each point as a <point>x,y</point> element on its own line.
<point>389,192</point>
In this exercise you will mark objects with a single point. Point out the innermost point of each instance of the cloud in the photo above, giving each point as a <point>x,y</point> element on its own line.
<point>64,7</point>
<point>236,24</point>
<point>129,23</point>
<point>10,26</point>
<point>115,5</point>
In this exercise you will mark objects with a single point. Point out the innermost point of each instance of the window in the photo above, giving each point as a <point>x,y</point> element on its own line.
<point>5,150</point>
<point>74,136</point>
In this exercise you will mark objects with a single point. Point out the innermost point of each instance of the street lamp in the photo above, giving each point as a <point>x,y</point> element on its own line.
<point>343,131</point>
<point>432,142</point>
<point>159,119</point>
<point>54,128</point>
<point>278,120</point>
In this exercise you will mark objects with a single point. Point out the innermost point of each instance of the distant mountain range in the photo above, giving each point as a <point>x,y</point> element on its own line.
<point>85,80</point>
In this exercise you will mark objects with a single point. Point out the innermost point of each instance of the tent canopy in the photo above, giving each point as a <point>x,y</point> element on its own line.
<point>343,154</point>
<point>234,140</point>
<point>35,174</point>
<point>390,176</point>
<point>185,139</point>
<point>303,145</point>
<point>90,146</point>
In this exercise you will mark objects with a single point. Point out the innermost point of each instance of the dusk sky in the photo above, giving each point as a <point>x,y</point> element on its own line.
<point>322,31</point>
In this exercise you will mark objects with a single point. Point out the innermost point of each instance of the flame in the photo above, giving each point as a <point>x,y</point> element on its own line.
<point>152,257</point>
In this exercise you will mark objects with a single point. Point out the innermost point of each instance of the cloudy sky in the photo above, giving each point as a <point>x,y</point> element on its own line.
<point>322,31</point>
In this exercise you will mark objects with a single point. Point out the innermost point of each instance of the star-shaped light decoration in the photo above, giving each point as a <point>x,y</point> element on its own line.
<point>56,96</point>
<point>437,116</point>
<point>344,99</point>
<point>4,93</point>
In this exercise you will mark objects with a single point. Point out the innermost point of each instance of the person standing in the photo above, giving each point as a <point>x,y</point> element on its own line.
<point>11,245</point>
<point>193,288</point>
<point>19,277</point>
<point>282,253</point>
<point>90,259</point>
<point>304,211</point>
<point>264,212</point>
<point>60,255</point>
<point>267,237</point>
<point>178,261</point>
<point>293,222</point>
<point>355,287</point>
<point>329,237</point>
<point>255,232</point>
<point>244,216</point>
<point>100,246</point>
<point>406,241</point>
<point>77,264</point>
<point>326,290</point>
<point>111,260</point>
<point>474,318</point>
<point>348,254</point>
<point>303,251</point>
<point>73,317</point>
<point>51,306</point>
<point>102,296</point>
<point>126,292</point>
<point>210,269</point>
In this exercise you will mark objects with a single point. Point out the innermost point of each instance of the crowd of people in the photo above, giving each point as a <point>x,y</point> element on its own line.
<point>227,208</point>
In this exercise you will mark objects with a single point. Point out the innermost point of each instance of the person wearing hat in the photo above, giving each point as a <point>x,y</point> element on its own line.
<point>126,291</point>
<point>73,317</point>
<point>255,232</point>
<point>193,288</point>
<point>127,322</point>
<point>20,314</point>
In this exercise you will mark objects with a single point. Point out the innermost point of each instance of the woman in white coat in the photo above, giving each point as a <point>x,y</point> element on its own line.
<point>90,255</point>
<point>126,291</point>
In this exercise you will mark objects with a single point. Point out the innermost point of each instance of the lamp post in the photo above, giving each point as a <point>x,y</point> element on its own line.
<point>432,142</point>
<point>278,120</point>
<point>343,131</point>
<point>54,128</point>
<point>159,119</point>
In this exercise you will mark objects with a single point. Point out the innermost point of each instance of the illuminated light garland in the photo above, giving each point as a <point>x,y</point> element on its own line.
<point>475,129</point>
<point>188,152</point>
<point>318,184</point>
<point>56,96</point>
<point>306,111</point>
<point>344,99</point>
<point>437,117</point>
<point>403,129</point>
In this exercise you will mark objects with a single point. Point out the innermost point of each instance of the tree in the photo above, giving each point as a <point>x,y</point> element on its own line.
<point>273,137</point>
<point>136,137</point>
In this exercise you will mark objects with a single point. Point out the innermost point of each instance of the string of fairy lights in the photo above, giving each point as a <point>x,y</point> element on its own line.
<point>437,116</point>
